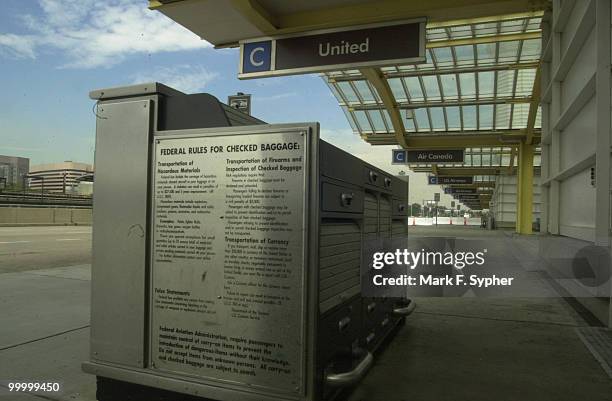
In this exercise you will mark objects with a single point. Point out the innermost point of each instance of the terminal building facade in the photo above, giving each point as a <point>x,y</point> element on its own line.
<point>58,177</point>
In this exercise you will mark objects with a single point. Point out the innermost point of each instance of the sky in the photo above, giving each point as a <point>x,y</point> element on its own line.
<point>54,52</point>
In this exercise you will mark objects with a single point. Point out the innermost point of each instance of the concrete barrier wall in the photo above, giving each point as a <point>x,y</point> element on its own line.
<point>8,215</point>
<point>44,216</point>
<point>81,216</point>
<point>62,216</point>
<point>34,215</point>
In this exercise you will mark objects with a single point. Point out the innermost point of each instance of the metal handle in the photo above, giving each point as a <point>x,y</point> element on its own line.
<point>387,182</point>
<point>401,207</point>
<point>344,323</point>
<point>373,176</point>
<point>385,322</point>
<point>371,307</point>
<point>350,378</point>
<point>405,310</point>
<point>370,338</point>
<point>347,199</point>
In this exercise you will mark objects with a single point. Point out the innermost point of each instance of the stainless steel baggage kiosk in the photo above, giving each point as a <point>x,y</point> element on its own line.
<point>228,253</point>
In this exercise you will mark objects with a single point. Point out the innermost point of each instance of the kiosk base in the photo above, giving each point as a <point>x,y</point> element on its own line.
<point>116,390</point>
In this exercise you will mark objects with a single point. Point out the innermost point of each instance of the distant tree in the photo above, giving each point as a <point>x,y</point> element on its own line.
<point>415,209</point>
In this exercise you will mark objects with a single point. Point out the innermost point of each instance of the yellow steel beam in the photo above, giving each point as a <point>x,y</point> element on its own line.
<point>391,10</point>
<point>511,165</point>
<point>524,201</point>
<point>420,141</point>
<point>376,77</point>
<point>478,184</point>
<point>533,107</point>
<point>459,171</point>
<point>508,37</point>
<point>488,184</point>
<point>447,103</point>
<point>467,171</point>
<point>483,20</point>
<point>153,4</point>
<point>256,15</point>
<point>443,70</point>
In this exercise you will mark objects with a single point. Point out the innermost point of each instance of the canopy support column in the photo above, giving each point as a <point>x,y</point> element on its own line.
<point>524,195</point>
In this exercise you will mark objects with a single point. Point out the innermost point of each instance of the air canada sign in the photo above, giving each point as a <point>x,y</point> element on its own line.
<point>360,46</point>
<point>403,156</point>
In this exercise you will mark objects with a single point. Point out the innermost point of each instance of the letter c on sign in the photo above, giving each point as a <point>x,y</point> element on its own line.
<point>252,57</point>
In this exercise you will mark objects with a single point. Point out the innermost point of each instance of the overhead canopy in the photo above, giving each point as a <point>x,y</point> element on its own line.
<point>478,89</point>
<point>478,80</point>
<point>225,22</point>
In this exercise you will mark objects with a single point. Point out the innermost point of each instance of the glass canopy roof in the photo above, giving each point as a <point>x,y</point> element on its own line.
<point>478,78</point>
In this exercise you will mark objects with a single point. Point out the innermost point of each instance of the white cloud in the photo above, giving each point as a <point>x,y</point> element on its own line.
<point>185,77</point>
<point>17,46</point>
<point>276,97</point>
<point>98,33</point>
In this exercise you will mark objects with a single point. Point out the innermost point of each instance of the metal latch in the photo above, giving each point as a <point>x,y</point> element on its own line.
<point>344,323</point>
<point>347,199</point>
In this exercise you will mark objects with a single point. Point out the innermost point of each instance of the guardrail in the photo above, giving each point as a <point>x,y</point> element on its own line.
<point>30,198</point>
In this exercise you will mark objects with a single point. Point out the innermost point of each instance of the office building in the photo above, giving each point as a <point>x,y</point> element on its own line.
<point>57,177</point>
<point>12,170</point>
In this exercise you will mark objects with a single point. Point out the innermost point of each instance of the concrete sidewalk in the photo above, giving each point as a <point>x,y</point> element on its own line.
<point>501,349</point>
<point>44,331</point>
<point>471,349</point>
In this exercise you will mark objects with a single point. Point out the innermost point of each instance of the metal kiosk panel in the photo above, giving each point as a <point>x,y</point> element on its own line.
<point>120,221</point>
<point>229,257</point>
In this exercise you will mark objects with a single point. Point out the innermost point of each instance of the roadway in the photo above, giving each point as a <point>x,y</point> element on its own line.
<point>30,248</point>
<point>44,310</point>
